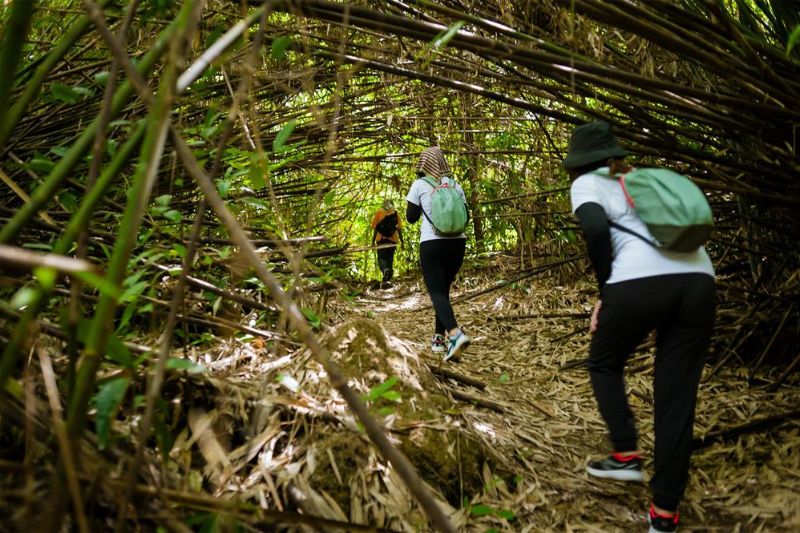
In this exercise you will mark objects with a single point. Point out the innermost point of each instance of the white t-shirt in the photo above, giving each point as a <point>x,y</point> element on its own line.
<point>632,257</point>
<point>420,194</point>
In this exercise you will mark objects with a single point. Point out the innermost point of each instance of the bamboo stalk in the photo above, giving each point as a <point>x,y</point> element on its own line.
<point>32,86</point>
<point>300,324</point>
<point>179,292</point>
<point>67,457</point>
<point>16,30</point>
<point>141,187</point>
<point>22,332</point>
<point>55,179</point>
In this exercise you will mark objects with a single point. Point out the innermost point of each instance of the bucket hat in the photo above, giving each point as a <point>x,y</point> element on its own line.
<point>592,143</point>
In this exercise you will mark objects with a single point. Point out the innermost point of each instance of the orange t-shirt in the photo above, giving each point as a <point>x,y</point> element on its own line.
<point>380,214</point>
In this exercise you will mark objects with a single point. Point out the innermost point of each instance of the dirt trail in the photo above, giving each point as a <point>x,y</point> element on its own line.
<point>528,341</point>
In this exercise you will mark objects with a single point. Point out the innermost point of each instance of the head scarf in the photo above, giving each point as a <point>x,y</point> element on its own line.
<point>432,163</point>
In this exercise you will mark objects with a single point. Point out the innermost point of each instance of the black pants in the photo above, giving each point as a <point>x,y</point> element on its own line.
<point>681,308</point>
<point>386,259</point>
<point>441,260</point>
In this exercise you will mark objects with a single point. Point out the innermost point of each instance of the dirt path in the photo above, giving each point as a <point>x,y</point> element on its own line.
<point>528,341</point>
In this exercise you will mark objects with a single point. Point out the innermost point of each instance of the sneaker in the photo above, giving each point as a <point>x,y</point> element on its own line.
<point>457,345</point>
<point>617,467</point>
<point>437,344</point>
<point>661,523</point>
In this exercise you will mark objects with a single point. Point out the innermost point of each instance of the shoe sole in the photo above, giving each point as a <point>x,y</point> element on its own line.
<point>456,355</point>
<point>652,529</point>
<point>618,475</point>
<point>438,350</point>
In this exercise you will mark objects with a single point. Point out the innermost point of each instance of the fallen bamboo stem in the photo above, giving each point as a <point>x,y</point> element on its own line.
<point>763,424</point>
<point>441,372</point>
<point>480,402</point>
<point>253,515</point>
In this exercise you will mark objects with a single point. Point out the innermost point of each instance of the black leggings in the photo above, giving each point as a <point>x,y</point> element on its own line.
<point>386,259</point>
<point>681,308</point>
<point>441,260</point>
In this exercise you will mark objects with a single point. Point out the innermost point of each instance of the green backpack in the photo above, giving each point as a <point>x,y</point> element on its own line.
<point>448,213</point>
<point>672,207</point>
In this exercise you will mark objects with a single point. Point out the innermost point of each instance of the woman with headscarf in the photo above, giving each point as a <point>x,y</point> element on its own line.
<point>440,256</point>
<point>642,288</point>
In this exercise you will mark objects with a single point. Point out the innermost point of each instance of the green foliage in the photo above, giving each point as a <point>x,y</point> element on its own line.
<point>23,297</point>
<point>67,94</point>
<point>279,144</point>
<point>162,209</point>
<point>313,319</point>
<point>107,402</point>
<point>794,38</point>
<point>482,509</point>
<point>279,47</point>
<point>178,363</point>
<point>383,397</point>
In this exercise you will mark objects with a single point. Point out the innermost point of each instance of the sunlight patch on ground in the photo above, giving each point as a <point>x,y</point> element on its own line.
<point>484,428</point>
<point>403,304</point>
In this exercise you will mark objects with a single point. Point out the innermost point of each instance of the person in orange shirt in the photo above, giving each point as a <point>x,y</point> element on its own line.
<point>386,232</point>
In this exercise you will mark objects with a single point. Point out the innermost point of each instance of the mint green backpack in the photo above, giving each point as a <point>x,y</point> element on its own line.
<point>674,209</point>
<point>448,214</point>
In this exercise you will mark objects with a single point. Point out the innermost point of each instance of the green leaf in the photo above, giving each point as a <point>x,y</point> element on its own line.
<point>504,378</point>
<point>101,78</point>
<point>279,47</point>
<point>255,202</point>
<point>330,197</point>
<point>379,390</point>
<point>256,171</point>
<point>283,136</point>
<point>107,401</point>
<point>505,513</point>
<point>46,276</point>
<point>447,36</point>
<point>173,215</point>
<point>164,437</point>
<point>178,363</point>
<point>59,151</point>
<point>386,411</point>
<point>794,38</point>
<point>64,93</point>
<point>118,352</point>
<point>392,396</point>
<point>179,249</point>
<point>481,510</point>
<point>38,246</point>
<point>224,187</point>
<point>312,317</point>
<point>23,298</point>
<point>163,200</point>
<point>69,200</point>
<point>133,292</point>
<point>99,282</point>
<point>41,164</point>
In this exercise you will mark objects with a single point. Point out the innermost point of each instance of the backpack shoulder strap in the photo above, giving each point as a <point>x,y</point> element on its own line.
<point>629,231</point>
<point>430,181</point>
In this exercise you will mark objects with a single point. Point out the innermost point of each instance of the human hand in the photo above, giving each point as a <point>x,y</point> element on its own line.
<point>595,313</point>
